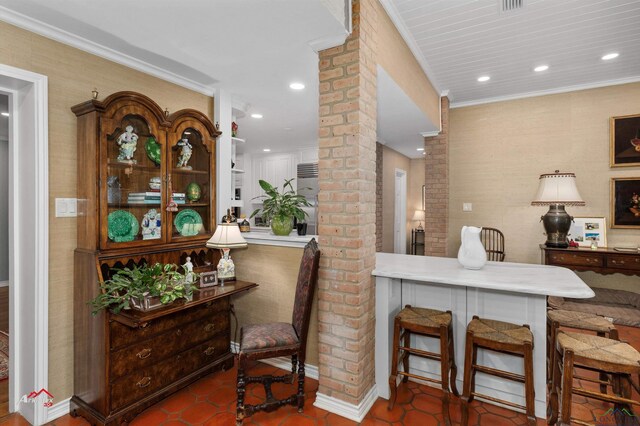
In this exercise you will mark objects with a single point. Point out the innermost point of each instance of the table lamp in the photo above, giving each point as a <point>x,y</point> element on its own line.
<point>557,190</point>
<point>418,216</point>
<point>226,237</point>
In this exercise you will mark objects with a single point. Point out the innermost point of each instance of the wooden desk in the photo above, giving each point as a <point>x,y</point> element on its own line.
<point>602,260</point>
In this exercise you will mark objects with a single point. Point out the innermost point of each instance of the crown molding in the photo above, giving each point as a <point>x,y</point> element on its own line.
<point>430,134</point>
<point>62,36</point>
<point>564,89</point>
<point>324,43</point>
<point>395,17</point>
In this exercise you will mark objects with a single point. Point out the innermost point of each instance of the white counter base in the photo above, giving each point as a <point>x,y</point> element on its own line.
<point>269,239</point>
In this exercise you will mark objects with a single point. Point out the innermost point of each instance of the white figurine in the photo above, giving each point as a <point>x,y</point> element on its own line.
<point>127,142</point>
<point>185,154</point>
<point>151,225</point>
<point>188,268</point>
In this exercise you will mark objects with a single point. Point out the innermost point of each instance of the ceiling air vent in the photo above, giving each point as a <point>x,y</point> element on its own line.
<point>510,5</point>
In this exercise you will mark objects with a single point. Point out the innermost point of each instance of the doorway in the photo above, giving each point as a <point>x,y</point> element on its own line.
<point>400,213</point>
<point>4,254</point>
<point>28,246</point>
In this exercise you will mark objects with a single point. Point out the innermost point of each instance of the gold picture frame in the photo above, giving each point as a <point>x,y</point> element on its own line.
<point>625,202</point>
<point>624,141</point>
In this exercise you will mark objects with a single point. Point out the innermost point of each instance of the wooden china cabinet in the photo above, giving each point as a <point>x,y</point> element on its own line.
<point>126,362</point>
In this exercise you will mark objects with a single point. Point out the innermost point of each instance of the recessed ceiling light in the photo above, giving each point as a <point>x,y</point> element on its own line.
<point>256,115</point>
<point>541,68</point>
<point>5,114</point>
<point>296,86</point>
<point>610,56</point>
<point>419,149</point>
<point>266,150</point>
<point>484,78</point>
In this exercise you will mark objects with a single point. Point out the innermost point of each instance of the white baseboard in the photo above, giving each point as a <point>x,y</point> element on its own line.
<point>344,409</point>
<point>283,363</point>
<point>58,410</point>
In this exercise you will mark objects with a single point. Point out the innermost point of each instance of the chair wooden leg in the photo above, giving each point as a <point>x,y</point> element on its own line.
<point>567,387</point>
<point>301,386</point>
<point>604,377</point>
<point>529,391</point>
<point>444,372</point>
<point>552,408</point>
<point>552,331</point>
<point>467,381</point>
<point>406,356</point>
<point>453,368</point>
<point>240,388</point>
<point>394,365</point>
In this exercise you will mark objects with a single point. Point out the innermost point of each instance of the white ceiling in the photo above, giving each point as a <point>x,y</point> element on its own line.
<point>462,40</point>
<point>400,121</point>
<point>252,48</point>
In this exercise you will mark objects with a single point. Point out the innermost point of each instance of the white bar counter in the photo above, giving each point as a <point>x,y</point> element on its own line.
<point>512,292</point>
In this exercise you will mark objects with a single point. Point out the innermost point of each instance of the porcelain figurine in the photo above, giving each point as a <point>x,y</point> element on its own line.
<point>185,154</point>
<point>226,268</point>
<point>128,142</point>
<point>188,271</point>
<point>472,254</point>
<point>151,225</point>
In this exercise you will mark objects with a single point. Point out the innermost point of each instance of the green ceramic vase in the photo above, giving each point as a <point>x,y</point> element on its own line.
<point>281,225</point>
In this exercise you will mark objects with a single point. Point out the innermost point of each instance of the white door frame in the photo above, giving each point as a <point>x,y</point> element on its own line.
<point>400,213</point>
<point>28,239</point>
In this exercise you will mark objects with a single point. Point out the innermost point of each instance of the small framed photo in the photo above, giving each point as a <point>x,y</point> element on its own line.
<point>208,279</point>
<point>625,202</point>
<point>624,141</point>
<point>585,230</point>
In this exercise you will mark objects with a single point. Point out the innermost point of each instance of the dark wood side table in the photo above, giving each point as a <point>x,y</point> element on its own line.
<point>602,260</point>
<point>417,242</point>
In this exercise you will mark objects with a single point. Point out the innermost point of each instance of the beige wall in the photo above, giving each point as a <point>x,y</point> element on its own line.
<point>498,150</point>
<point>72,75</point>
<point>275,269</point>
<point>396,58</point>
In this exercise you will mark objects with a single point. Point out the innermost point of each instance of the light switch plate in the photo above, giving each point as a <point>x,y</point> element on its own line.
<point>467,207</point>
<point>66,207</point>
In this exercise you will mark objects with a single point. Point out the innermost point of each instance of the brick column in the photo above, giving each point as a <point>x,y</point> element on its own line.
<point>437,187</point>
<point>347,205</point>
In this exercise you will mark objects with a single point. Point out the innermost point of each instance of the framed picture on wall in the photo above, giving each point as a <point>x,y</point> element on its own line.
<point>585,230</point>
<point>625,202</point>
<point>624,141</point>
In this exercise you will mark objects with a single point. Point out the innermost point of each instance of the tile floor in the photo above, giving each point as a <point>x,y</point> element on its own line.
<point>211,401</point>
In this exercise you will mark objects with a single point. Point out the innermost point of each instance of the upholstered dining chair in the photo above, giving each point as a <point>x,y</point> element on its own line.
<point>261,341</point>
<point>493,242</point>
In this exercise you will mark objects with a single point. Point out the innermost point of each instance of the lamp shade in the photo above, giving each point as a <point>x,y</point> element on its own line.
<point>418,216</point>
<point>558,188</point>
<point>227,235</point>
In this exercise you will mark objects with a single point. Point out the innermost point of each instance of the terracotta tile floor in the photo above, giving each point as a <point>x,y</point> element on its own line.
<point>211,401</point>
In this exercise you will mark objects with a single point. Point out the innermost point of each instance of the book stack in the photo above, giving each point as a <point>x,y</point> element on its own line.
<point>153,197</point>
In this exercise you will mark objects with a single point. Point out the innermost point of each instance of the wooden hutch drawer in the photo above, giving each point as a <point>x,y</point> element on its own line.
<point>151,351</point>
<point>141,383</point>
<point>575,259</point>
<point>123,335</point>
<point>623,262</point>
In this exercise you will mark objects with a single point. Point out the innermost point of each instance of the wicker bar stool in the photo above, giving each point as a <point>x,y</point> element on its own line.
<point>595,353</point>
<point>431,323</point>
<point>557,318</point>
<point>505,338</point>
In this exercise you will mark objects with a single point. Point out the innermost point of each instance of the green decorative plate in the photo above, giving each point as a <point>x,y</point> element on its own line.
<point>123,226</point>
<point>153,150</point>
<point>188,223</point>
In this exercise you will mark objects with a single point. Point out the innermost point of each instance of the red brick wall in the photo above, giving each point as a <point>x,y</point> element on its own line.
<point>347,205</point>
<point>437,187</point>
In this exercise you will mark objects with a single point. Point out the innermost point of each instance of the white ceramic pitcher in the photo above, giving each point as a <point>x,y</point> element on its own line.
<point>472,254</point>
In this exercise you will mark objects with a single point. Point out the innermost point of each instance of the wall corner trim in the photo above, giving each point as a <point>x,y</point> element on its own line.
<point>344,409</point>
<point>58,410</point>
<point>64,37</point>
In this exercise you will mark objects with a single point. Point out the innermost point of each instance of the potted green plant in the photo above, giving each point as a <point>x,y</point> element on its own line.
<point>281,208</point>
<point>144,288</point>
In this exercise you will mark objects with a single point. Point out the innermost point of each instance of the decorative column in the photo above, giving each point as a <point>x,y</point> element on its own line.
<point>347,231</point>
<point>437,187</point>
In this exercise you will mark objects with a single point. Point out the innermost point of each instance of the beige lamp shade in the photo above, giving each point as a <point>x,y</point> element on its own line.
<point>418,216</point>
<point>227,236</point>
<point>558,188</point>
